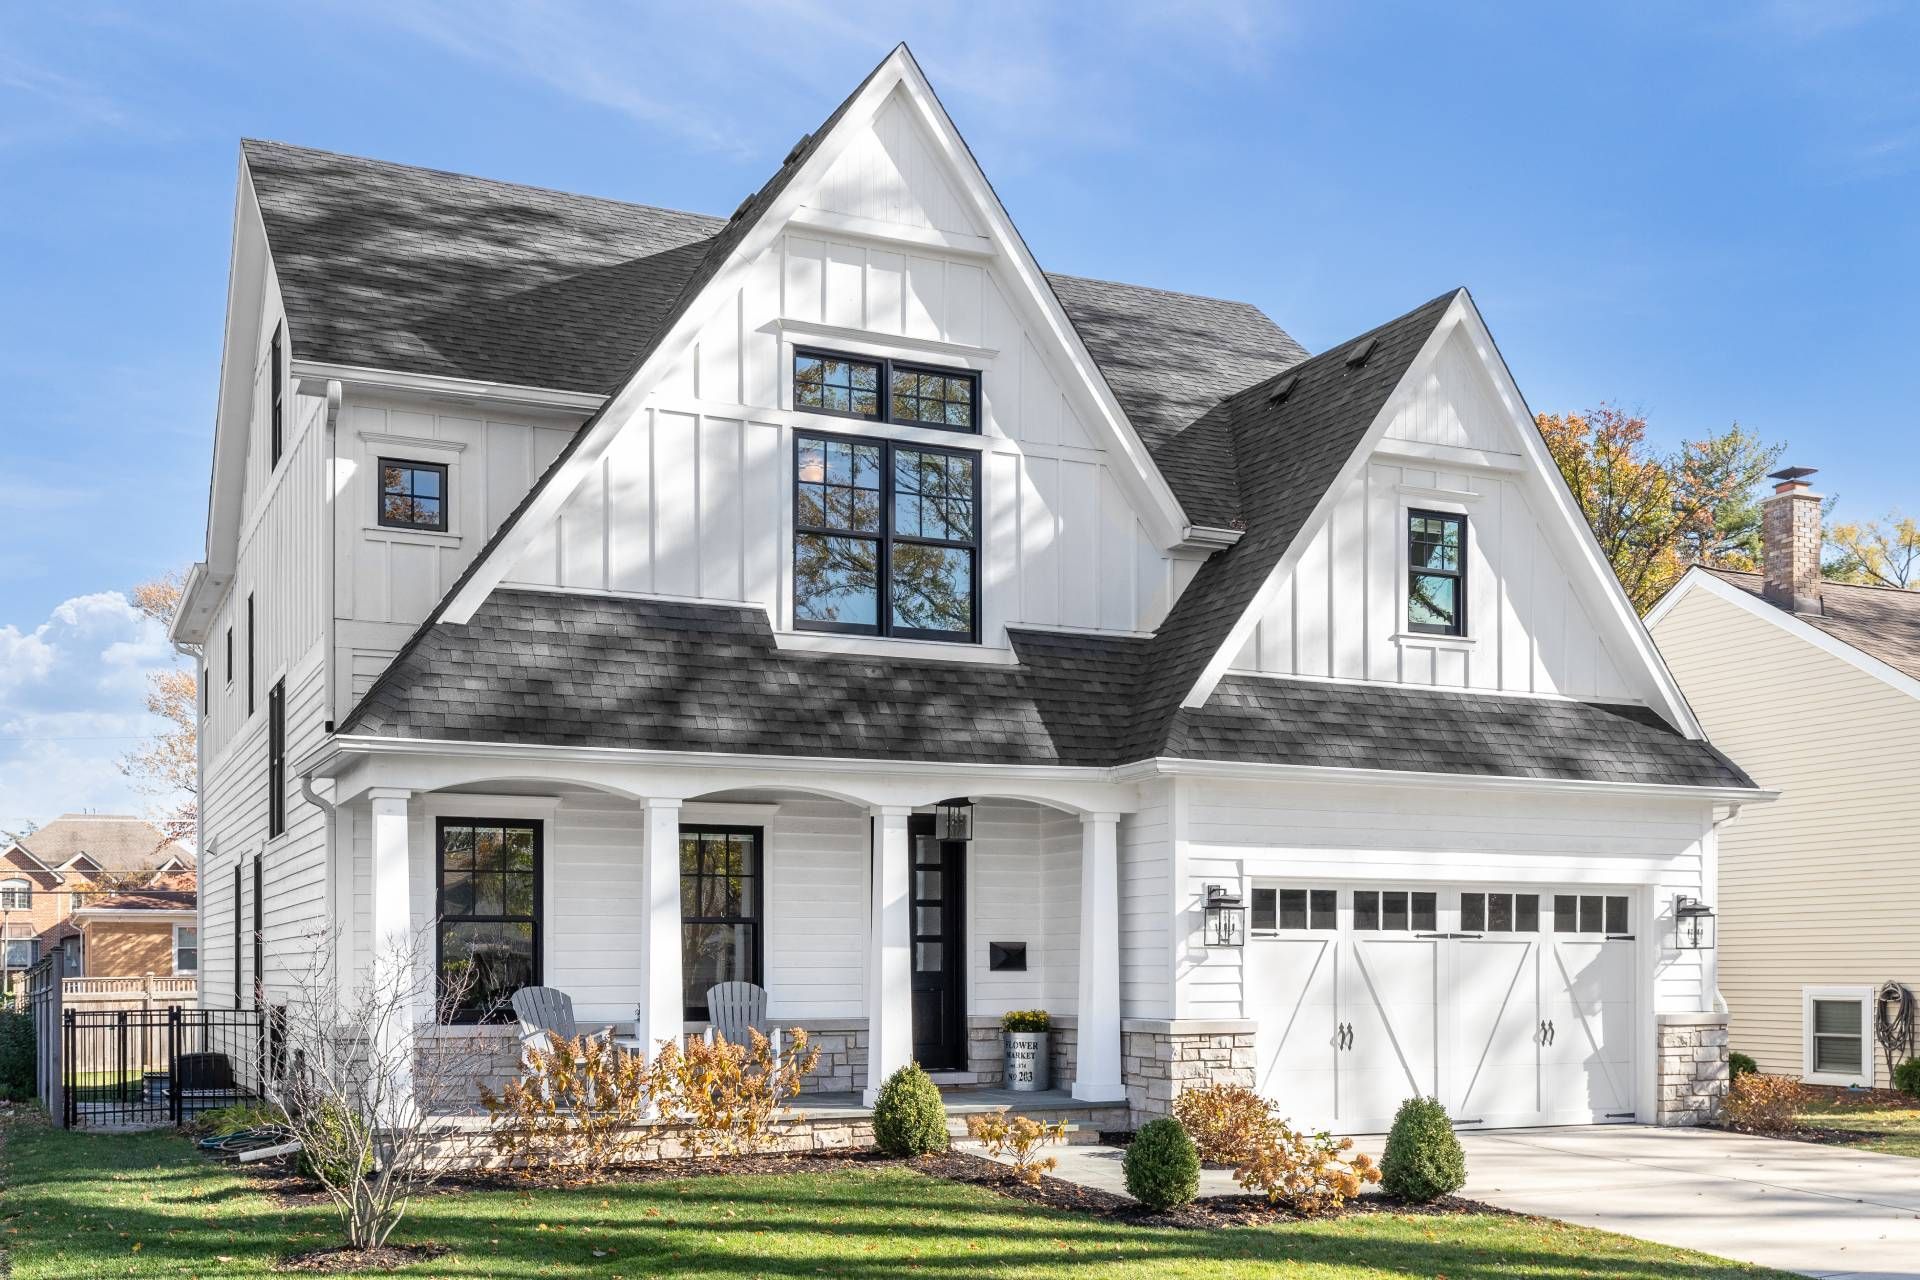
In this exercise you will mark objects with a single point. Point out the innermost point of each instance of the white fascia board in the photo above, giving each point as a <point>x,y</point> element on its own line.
<point>1142,478</point>
<point>466,390</point>
<point>1218,665</point>
<point>247,272</point>
<point>27,853</point>
<point>1605,589</point>
<point>153,915</point>
<point>1698,579</point>
<point>1318,775</point>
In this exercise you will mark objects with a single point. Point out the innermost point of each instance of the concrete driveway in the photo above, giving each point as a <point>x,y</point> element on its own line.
<point>1822,1211</point>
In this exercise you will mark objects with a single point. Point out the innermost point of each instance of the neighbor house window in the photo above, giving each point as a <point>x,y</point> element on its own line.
<point>1500,912</point>
<point>1276,910</point>
<point>1394,910</point>
<point>1436,573</point>
<point>22,952</point>
<point>885,538</point>
<point>277,759</point>
<point>1837,1050</point>
<point>720,877</point>
<point>413,495</point>
<point>489,914</point>
<point>76,900</point>
<point>15,895</point>
<point>276,409</point>
<point>886,391</point>
<point>186,949</point>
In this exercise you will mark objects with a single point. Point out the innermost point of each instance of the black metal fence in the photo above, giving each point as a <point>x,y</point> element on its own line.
<point>130,1067</point>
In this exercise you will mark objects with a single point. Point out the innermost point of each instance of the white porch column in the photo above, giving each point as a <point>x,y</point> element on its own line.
<point>1097,1063</point>
<point>662,998</point>
<point>889,951</point>
<point>393,935</point>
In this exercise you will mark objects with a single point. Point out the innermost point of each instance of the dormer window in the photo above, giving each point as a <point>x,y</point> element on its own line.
<point>886,391</point>
<point>1437,573</point>
<point>885,538</point>
<point>413,495</point>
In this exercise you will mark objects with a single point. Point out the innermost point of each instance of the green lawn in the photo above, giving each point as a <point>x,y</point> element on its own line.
<point>1895,1131</point>
<point>147,1205</point>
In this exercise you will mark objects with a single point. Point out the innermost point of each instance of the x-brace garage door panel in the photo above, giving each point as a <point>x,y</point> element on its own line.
<point>1299,1034</point>
<point>1588,1028</point>
<point>1390,996</point>
<point>1495,1051</point>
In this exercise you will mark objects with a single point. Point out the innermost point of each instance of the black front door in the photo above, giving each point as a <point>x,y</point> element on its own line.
<point>939,949</point>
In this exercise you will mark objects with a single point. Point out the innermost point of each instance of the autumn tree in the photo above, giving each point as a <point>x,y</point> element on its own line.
<point>1655,514</point>
<point>167,764</point>
<point>1875,553</point>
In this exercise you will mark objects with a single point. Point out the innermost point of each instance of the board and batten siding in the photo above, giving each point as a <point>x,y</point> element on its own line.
<point>1822,886</point>
<point>1341,613</point>
<point>1418,837</point>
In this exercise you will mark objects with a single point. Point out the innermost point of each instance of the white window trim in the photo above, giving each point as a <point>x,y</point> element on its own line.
<point>18,884</point>
<point>1865,996</point>
<point>177,971</point>
<point>1404,636</point>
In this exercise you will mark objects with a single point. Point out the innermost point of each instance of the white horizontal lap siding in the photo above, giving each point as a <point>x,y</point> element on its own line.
<point>1060,845</point>
<point>1015,865</point>
<point>692,499</point>
<point>1821,887</point>
<point>1209,977</point>
<point>1425,836</point>
<point>1145,854</point>
<point>817,910</point>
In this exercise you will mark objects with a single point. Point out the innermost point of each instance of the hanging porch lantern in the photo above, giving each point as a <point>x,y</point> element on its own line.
<point>1693,923</point>
<point>953,820</point>
<point>1226,919</point>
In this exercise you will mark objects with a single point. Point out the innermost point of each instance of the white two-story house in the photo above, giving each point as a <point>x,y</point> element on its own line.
<point>614,593</point>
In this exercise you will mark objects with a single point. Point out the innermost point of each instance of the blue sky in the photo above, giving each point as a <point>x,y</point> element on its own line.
<point>1703,212</point>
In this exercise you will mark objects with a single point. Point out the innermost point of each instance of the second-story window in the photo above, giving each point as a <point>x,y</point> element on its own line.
<point>885,538</point>
<point>15,895</point>
<point>1437,573</point>
<point>276,409</point>
<point>886,391</point>
<point>277,759</point>
<point>413,495</point>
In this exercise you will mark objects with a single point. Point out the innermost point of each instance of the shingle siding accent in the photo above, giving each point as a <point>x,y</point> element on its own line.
<point>572,670</point>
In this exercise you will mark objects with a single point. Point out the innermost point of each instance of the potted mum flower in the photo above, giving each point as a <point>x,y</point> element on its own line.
<point>1028,1059</point>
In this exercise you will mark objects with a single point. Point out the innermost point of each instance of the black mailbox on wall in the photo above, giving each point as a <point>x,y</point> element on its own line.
<point>1003,956</point>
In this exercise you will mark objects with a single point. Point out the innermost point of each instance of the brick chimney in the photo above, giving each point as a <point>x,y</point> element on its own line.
<point>1790,541</point>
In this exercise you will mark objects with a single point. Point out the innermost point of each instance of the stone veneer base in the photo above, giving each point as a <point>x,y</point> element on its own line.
<point>1160,1058</point>
<point>1692,1074</point>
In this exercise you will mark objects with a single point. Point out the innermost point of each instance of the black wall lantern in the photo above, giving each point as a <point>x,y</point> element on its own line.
<point>1693,924</point>
<point>1226,919</point>
<point>953,820</point>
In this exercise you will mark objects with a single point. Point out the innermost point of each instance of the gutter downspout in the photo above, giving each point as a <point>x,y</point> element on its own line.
<point>1713,977</point>
<point>339,881</point>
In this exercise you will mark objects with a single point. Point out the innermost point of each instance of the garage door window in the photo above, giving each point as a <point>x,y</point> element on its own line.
<point>1500,912</point>
<point>1590,913</point>
<point>1394,910</point>
<point>1294,909</point>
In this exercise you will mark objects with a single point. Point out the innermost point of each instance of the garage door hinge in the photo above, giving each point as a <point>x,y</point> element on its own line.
<point>1458,1123</point>
<point>1621,1115</point>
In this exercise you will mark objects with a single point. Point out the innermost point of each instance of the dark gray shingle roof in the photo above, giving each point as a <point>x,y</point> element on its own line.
<point>562,668</point>
<point>1881,622</point>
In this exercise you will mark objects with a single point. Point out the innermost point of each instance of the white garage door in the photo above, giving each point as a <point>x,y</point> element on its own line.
<point>1514,1007</point>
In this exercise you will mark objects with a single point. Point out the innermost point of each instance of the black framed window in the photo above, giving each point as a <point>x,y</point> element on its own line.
<point>259,934</point>
<point>1287,909</point>
<point>1437,573</point>
<point>1395,910</point>
<point>239,900</point>
<point>277,406</point>
<point>882,390</point>
<point>252,649</point>
<point>229,656</point>
<point>1500,912</point>
<point>720,909</point>
<point>1590,913</point>
<point>277,759</point>
<point>886,538</point>
<point>488,907</point>
<point>413,495</point>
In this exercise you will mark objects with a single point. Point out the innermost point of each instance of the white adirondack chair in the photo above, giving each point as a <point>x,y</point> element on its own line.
<point>734,1008</point>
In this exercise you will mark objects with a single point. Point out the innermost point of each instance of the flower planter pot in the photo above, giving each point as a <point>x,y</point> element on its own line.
<point>1028,1064</point>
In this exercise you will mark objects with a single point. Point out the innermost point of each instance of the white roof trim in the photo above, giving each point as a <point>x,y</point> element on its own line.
<point>158,915</point>
<point>1175,766</point>
<point>1698,579</point>
<point>465,389</point>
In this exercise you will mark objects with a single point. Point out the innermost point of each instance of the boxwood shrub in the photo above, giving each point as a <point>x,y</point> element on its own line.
<point>1162,1165</point>
<point>908,1117</point>
<point>1423,1159</point>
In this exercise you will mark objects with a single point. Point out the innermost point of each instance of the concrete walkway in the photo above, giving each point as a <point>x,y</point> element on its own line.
<point>1822,1211</point>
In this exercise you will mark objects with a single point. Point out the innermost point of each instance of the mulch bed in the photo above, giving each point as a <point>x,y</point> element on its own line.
<point>388,1257</point>
<point>955,1166</point>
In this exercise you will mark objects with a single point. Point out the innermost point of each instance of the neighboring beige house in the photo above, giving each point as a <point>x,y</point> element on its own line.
<point>139,934</point>
<point>1814,688</point>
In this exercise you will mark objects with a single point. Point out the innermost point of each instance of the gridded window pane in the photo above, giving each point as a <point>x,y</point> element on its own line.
<point>1591,920</point>
<point>1617,915</point>
<point>834,384</point>
<point>413,495</point>
<point>1434,543</point>
<point>837,485</point>
<point>1425,911</point>
<point>1526,912</point>
<point>1436,572</point>
<point>1837,1039</point>
<point>1473,912</point>
<point>1566,913</point>
<point>1366,909</point>
<point>720,910</point>
<point>933,495</point>
<point>1325,913</point>
<point>933,399</point>
<point>1293,908</point>
<point>1265,910</point>
<point>1393,910</point>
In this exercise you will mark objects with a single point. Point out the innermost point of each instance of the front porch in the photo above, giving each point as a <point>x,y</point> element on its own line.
<point>886,945</point>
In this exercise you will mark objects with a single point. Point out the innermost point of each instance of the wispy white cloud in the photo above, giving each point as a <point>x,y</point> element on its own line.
<point>71,704</point>
<point>39,103</point>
